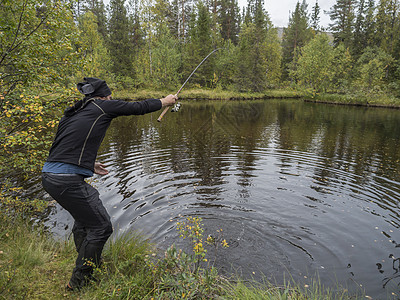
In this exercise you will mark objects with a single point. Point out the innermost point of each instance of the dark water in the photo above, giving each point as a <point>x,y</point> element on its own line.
<point>300,189</point>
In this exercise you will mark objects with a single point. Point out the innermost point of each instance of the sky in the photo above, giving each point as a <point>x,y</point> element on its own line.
<point>280,10</point>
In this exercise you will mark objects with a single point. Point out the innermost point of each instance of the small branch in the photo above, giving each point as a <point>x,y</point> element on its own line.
<point>13,47</point>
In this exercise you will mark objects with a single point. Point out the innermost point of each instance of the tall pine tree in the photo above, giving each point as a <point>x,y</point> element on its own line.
<point>342,15</point>
<point>315,17</point>
<point>98,9</point>
<point>199,45</point>
<point>388,26</point>
<point>119,42</point>
<point>256,58</point>
<point>229,19</point>
<point>180,13</point>
<point>295,36</point>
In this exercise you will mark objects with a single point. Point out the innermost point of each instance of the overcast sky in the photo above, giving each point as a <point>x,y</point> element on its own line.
<point>280,10</point>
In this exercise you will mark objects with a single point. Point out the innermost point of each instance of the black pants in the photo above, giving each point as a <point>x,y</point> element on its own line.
<point>92,225</point>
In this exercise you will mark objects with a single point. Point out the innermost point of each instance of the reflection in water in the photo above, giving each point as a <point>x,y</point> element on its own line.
<point>298,188</point>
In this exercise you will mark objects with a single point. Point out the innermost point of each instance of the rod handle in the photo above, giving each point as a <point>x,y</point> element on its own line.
<point>163,113</point>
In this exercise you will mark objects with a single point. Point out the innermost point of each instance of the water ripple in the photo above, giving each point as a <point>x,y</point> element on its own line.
<point>285,206</point>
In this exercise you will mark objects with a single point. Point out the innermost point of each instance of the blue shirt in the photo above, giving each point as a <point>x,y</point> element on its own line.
<point>64,168</point>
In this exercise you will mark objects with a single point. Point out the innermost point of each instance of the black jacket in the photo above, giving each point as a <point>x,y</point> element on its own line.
<point>79,136</point>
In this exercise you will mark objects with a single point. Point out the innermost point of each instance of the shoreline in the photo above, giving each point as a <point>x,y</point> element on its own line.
<point>353,104</point>
<point>379,101</point>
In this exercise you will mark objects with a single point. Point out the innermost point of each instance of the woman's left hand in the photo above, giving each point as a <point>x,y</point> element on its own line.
<point>100,169</point>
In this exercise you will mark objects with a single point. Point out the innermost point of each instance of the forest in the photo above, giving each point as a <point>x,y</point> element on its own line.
<point>149,47</point>
<point>47,46</point>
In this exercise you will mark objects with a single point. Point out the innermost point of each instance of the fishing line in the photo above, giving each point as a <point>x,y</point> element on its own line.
<point>176,108</point>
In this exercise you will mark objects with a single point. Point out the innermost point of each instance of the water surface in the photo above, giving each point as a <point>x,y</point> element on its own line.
<point>299,189</point>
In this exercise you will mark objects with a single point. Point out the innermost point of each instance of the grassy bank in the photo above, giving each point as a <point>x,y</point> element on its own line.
<point>35,266</point>
<point>215,94</point>
<point>362,99</point>
<point>372,100</point>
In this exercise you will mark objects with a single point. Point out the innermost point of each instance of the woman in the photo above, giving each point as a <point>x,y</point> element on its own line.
<point>72,158</point>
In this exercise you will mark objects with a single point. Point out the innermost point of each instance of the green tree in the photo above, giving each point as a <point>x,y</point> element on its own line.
<point>229,18</point>
<point>343,66</point>
<point>315,64</point>
<point>166,60</point>
<point>342,15</point>
<point>159,58</point>
<point>180,14</point>
<point>119,41</point>
<point>37,57</point>
<point>225,65</point>
<point>251,65</point>
<point>258,52</point>
<point>295,36</point>
<point>273,56</point>
<point>369,24</point>
<point>315,17</point>
<point>92,46</point>
<point>33,43</point>
<point>98,9</point>
<point>137,33</point>
<point>199,45</point>
<point>359,38</point>
<point>388,26</point>
<point>364,30</point>
<point>372,69</point>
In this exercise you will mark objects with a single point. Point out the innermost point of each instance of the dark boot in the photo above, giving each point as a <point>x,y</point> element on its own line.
<point>89,258</point>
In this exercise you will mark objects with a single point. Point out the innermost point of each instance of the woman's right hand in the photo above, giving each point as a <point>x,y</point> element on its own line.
<point>169,100</point>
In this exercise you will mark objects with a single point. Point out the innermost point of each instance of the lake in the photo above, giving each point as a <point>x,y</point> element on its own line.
<point>300,190</point>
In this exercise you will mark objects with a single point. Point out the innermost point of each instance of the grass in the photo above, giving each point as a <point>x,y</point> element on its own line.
<point>293,291</point>
<point>32,265</point>
<point>202,93</point>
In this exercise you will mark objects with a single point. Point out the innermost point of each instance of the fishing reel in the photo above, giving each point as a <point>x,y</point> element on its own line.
<point>176,107</point>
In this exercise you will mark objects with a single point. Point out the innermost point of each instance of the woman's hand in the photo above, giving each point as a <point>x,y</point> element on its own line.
<point>169,100</point>
<point>100,169</point>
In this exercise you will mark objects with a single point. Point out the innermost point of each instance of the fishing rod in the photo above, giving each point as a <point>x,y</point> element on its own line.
<point>166,109</point>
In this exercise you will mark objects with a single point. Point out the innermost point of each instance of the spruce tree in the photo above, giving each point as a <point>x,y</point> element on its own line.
<point>370,24</point>
<point>315,17</point>
<point>258,52</point>
<point>387,26</point>
<point>342,15</point>
<point>229,20</point>
<point>119,43</point>
<point>98,9</point>
<point>295,36</point>
<point>200,45</point>
<point>364,30</point>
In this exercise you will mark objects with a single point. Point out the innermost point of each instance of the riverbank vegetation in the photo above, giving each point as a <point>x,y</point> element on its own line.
<point>46,47</point>
<point>35,266</point>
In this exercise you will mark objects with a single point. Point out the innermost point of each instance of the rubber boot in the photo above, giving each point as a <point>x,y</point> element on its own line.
<point>89,257</point>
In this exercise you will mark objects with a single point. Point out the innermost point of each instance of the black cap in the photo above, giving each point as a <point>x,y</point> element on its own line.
<point>94,87</point>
